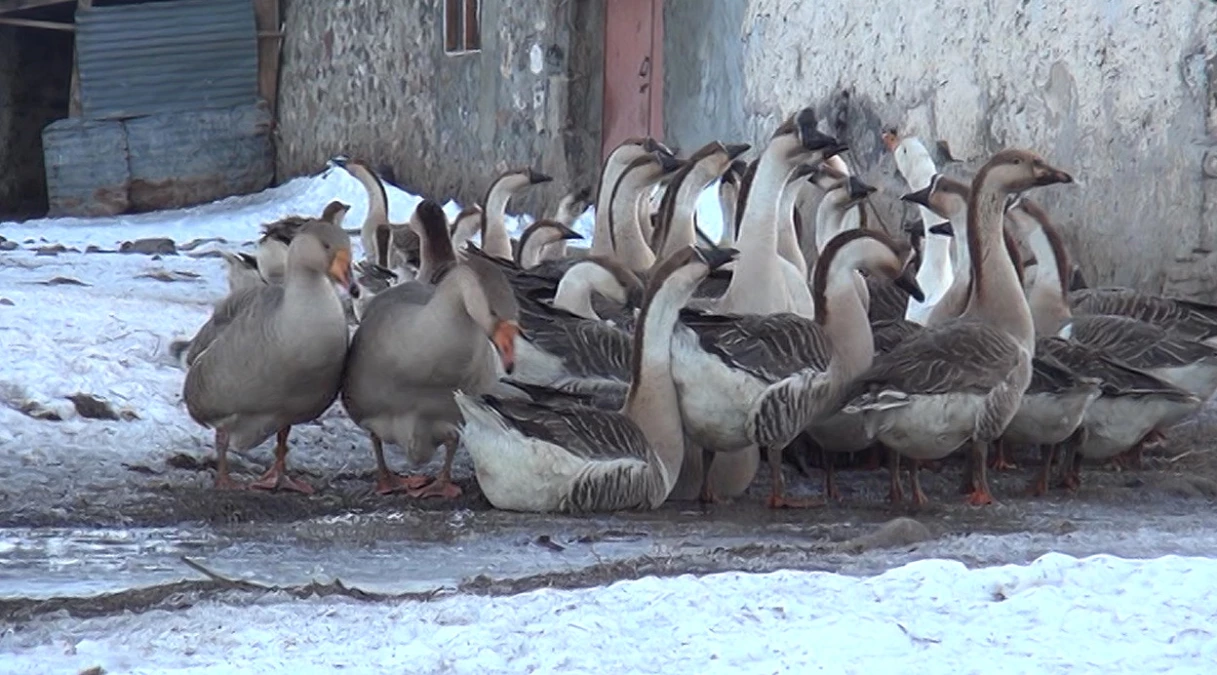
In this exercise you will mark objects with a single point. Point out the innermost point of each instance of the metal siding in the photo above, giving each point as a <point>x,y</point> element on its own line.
<point>86,167</point>
<point>166,57</point>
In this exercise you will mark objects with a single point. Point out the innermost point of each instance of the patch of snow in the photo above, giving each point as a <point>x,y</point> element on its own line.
<point>1057,614</point>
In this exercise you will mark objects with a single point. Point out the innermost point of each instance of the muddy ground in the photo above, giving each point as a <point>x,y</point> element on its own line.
<point>161,536</point>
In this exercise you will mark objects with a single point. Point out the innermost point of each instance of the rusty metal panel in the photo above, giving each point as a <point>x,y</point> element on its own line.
<point>633,79</point>
<point>86,167</point>
<point>179,159</point>
<point>166,57</point>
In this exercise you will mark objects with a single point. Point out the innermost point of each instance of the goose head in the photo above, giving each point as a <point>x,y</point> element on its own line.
<point>610,279</point>
<point>335,212</point>
<point>242,270</point>
<point>466,224</point>
<point>491,303</point>
<point>873,253</point>
<point>321,248</point>
<point>683,270</point>
<point>518,179</point>
<point>798,140</point>
<point>1014,170</point>
<point>573,205</point>
<point>537,236</point>
<point>823,175</point>
<point>945,197</point>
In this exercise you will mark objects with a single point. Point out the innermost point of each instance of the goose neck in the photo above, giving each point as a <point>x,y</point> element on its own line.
<point>997,294</point>
<point>574,292</point>
<point>788,237</point>
<point>1046,298</point>
<point>628,241</point>
<point>495,240</point>
<point>936,273</point>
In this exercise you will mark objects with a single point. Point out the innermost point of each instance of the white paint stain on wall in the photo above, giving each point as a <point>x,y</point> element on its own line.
<point>536,59</point>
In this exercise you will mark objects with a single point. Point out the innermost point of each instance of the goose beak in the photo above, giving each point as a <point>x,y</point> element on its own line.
<point>716,257</point>
<point>536,177</point>
<point>668,163</point>
<point>568,233</point>
<point>802,171</point>
<point>504,339</point>
<point>859,190</point>
<point>945,229</point>
<point>1052,176</point>
<point>921,196</point>
<point>340,269</point>
<point>736,149</point>
<point>908,281</point>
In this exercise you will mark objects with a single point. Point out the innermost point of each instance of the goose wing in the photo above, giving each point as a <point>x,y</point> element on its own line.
<point>1137,343</point>
<point>1186,318</point>
<point>960,356</point>
<point>587,347</point>
<point>887,300</point>
<point>1115,378</point>
<point>284,229</point>
<point>226,311</point>
<point>888,333</point>
<point>587,433</point>
<point>771,347</point>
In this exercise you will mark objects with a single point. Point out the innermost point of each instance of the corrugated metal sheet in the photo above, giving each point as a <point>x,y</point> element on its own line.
<point>178,159</point>
<point>166,57</point>
<point>86,167</point>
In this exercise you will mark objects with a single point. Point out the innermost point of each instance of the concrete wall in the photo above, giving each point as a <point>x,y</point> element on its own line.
<point>1119,92</point>
<point>35,72</point>
<point>370,78</point>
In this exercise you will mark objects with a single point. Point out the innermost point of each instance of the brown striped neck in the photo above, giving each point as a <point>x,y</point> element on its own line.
<point>997,295</point>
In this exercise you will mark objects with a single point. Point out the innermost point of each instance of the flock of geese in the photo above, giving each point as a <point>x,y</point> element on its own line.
<point>658,365</point>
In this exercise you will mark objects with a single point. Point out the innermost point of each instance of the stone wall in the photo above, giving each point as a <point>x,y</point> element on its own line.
<point>1116,91</point>
<point>35,73</point>
<point>369,78</point>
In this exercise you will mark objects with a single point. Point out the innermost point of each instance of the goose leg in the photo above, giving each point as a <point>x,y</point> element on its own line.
<point>895,493</point>
<point>442,486</point>
<point>873,459</point>
<point>1040,486</point>
<point>388,482</point>
<point>979,494</point>
<point>276,476</point>
<point>1072,479</point>
<point>919,498</point>
<point>223,480</point>
<point>777,498</point>
<point>830,476</point>
<point>999,461</point>
<point>706,495</point>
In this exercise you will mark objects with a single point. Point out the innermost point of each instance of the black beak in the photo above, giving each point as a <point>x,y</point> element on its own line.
<point>1029,261</point>
<point>814,139</point>
<point>802,171</point>
<point>668,163</point>
<point>339,160</point>
<point>908,281</point>
<point>248,260</point>
<point>716,257</point>
<point>736,149</point>
<point>834,149</point>
<point>1052,177</point>
<point>943,229</point>
<point>568,233</point>
<point>859,190</point>
<point>536,177</point>
<point>921,196</point>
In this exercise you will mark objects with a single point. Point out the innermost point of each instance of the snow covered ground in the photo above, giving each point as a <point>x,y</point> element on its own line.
<point>1058,614</point>
<point>108,334</point>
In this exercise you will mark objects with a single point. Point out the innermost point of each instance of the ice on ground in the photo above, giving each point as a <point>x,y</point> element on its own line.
<point>1057,614</point>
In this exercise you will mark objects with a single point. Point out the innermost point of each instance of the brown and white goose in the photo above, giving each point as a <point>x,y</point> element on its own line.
<point>677,211</point>
<point>532,457</point>
<point>567,212</point>
<point>272,357</point>
<point>1187,319</point>
<point>466,224</point>
<point>615,164</point>
<point>495,239</point>
<point>963,380</point>
<point>538,237</point>
<point>375,233</point>
<point>416,345</point>
<point>762,379</point>
<point>629,242</point>
<point>728,200</point>
<point>271,253</point>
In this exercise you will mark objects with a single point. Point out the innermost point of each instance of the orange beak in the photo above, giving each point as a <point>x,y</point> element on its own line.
<point>504,339</point>
<point>340,269</point>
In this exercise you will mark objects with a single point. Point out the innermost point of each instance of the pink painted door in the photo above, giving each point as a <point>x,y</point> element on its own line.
<point>633,71</point>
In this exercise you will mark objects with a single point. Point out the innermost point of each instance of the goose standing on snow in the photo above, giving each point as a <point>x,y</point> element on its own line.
<point>272,357</point>
<point>416,345</point>
<point>963,380</point>
<point>532,457</point>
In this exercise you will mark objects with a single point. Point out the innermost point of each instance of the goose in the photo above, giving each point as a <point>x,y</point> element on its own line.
<point>271,357</point>
<point>728,199</point>
<point>436,255</point>
<point>538,237</point>
<point>761,379</point>
<point>677,210</point>
<point>1187,364</point>
<point>614,165</point>
<point>762,282</point>
<point>241,271</point>
<point>948,198</point>
<point>596,275</point>
<point>962,380</point>
<point>629,244</point>
<point>271,253</point>
<point>533,457</point>
<point>935,274</point>
<point>375,233</point>
<point>466,224</point>
<point>416,345</point>
<point>495,240</point>
<point>567,212</point>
